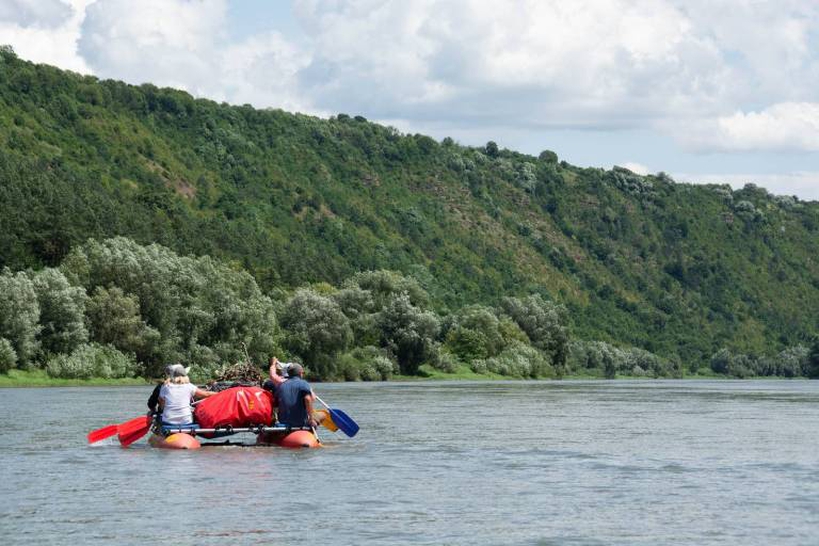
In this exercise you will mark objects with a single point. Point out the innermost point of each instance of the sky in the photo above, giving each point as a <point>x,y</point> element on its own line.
<point>716,91</point>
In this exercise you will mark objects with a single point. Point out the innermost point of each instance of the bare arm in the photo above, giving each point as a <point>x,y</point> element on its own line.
<point>201,393</point>
<point>274,376</point>
<point>308,405</point>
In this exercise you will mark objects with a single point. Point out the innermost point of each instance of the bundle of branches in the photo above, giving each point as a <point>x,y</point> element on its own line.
<point>238,374</point>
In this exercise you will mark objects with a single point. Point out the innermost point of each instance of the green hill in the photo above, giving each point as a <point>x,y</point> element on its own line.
<point>679,270</point>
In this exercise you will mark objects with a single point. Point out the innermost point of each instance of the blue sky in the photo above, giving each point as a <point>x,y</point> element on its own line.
<point>705,90</point>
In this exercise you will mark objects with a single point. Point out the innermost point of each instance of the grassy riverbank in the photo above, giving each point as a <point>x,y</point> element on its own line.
<point>39,378</point>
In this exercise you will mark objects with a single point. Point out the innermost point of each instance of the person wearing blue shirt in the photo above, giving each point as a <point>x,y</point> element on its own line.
<point>295,400</point>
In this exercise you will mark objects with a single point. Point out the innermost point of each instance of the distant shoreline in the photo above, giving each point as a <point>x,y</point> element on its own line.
<point>40,379</point>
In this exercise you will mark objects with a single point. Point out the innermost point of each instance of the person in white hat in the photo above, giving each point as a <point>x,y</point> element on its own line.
<point>176,395</point>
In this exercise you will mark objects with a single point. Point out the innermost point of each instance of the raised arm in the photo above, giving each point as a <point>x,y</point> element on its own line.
<point>274,369</point>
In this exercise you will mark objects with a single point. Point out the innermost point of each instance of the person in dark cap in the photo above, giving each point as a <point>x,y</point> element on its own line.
<point>295,400</point>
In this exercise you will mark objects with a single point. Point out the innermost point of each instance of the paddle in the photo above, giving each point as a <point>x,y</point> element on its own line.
<point>131,431</point>
<point>341,419</point>
<point>101,433</point>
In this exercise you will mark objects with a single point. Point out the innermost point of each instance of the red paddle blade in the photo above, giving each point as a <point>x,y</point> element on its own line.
<point>135,424</point>
<point>131,431</point>
<point>129,439</point>
<point>101,433</point>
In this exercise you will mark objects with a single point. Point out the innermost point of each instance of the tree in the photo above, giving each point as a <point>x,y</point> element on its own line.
<point>114,319</point>
<point>8,357</point>
<point>548,156</point>
<point>19,314</point>
<point>384,285</point>
<point>409,333</point>
<point>475,332</point>
<point>315,329</point>
<point>62,312</point>
<point>812,364</point>
<point>545,323</point>
<point>721,361</point>
<point>491,149</point>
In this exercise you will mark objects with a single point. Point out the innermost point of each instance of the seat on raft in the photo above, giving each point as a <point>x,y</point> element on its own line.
<point>166,427</point>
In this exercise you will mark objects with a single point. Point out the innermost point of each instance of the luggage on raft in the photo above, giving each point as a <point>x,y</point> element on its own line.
<point>236,407</point>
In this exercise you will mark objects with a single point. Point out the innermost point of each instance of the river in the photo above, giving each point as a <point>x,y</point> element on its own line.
<point>541,463</point>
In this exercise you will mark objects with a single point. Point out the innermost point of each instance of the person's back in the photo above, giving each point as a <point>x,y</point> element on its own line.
<point>290,398</point>
<point>177,399</point>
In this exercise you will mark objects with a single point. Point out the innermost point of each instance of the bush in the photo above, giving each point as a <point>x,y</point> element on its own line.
<point>92,360</point>
<point>520,360</point>
<point>8,357</point>
<point>366,364</point>
<point>445,361</point>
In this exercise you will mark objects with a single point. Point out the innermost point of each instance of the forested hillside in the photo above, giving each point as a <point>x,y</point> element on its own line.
<point>694,274</point>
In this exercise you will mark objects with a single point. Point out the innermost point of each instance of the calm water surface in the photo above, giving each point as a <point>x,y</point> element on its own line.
<point>667,462</point>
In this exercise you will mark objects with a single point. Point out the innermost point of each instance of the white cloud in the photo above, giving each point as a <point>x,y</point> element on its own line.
<point>540,63</point>
<point>803,184</point>
<point>672,65</point>
<point>784,126</point>
<point>40,13</point>
<point>263,71</point>
<point>184,44</point>
<point>44,31</point>
<point>636,168</point>
<point>163,42</point>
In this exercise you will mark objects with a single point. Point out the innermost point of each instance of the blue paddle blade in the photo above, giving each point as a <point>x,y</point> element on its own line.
<point>344,422</point>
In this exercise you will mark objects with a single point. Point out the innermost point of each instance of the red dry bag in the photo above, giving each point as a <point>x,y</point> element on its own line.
<point>236,407</point>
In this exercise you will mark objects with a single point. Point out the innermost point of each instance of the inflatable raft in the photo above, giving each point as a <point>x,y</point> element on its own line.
<point>186,437</point>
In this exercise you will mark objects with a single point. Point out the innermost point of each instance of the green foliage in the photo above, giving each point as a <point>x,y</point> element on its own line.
<point>475,332</point>
<point>609,361</point>
<point>281,201</point>
<point>812,363</point>
<point>517,360</point>
<point>366,364</point>
<point>114,319</point>
<point>317,330</point>
<point>62,312</point>
<point>792,362</point>
<point>383,286</point>
<point>8,356</point>
<point>545,323</point>
<point>92,360</point>
<point>409,333</point>
<point>191,302</point>
<point>19,314</point>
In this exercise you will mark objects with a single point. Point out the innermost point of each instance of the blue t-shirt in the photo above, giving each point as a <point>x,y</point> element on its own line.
<point>290,398</point>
